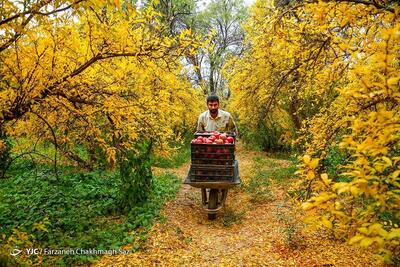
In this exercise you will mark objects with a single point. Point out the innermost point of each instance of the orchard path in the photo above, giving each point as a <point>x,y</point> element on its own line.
<point>266,234</point>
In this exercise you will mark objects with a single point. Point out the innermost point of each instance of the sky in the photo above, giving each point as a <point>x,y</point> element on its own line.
<point>249,2</point>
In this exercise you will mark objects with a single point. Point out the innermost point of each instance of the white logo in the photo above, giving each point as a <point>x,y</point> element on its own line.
<point>15,252</point>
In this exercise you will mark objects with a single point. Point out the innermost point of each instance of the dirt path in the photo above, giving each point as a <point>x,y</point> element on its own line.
<point>261,234</point>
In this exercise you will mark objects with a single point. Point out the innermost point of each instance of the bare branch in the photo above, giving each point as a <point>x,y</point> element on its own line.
<point>55,141</point>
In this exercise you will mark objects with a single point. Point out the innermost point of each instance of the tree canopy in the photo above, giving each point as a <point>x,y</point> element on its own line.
<point>103,75</point>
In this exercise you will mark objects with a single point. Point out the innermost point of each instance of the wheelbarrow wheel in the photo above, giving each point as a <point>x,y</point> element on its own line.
<point>212,203</point>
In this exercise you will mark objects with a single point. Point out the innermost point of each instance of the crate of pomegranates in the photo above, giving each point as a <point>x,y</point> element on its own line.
<point>213,156</point>
<point>213,148</point>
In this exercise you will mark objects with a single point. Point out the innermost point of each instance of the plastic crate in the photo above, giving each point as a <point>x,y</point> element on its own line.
<point>200,172</point>
<point>223,154</point>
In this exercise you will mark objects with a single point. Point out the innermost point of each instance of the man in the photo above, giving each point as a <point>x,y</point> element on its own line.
<point>215,119</point>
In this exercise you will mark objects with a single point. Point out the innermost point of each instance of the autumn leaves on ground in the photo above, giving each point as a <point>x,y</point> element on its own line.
<point>259,226</point>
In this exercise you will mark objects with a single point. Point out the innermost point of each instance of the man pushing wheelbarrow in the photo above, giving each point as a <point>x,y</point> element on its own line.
<point>213,167</point>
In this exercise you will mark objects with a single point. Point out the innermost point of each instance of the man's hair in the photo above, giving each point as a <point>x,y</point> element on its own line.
<point>212,98</point>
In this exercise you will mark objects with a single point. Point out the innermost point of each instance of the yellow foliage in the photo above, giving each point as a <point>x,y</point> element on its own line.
<point>334,67</point>
<point>97,77</point>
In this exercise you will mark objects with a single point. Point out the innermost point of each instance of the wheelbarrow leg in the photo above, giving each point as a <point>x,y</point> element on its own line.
<point>203,196</point>
<point>224,193</point>
<point>213,203</point>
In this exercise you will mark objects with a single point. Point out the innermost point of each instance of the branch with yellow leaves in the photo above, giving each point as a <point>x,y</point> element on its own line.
<point>34,10</point>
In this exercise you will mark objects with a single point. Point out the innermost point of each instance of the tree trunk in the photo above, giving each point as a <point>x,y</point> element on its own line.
<point>293,113</point>
<point>212,87</point>
<point>5,148</point>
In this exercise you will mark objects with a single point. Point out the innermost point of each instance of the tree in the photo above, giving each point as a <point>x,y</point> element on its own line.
<point>272,74</point>
<point>220,26</point>
<point>328,71</point>
<point>176,14</point>
<point>100,75</point>
<point>224,17</point>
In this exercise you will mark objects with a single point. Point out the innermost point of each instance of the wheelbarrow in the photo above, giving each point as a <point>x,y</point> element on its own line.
<point>216,186</point>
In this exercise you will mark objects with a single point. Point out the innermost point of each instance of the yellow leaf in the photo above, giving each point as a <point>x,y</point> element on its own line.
<point>354,190</point>
<point>393,81</point>
<point>325,179</point>
<point>355,239</point>
<point>343,46</point>
<point>387,160</point>
<point>376,228</point>
<point>326,222</point>
<point>366,242</point>
<point>363,230</point>
<point>314,163</point>
<point>307,206</point>
<point>310,175</point>
<point>341,187</point>
<point>306,159</point>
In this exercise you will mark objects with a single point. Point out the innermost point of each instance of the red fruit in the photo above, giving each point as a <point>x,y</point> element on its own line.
<point>210,149</point>
<point>200,137</point>
<point>223,136</point>
<point>200,141</point>
<point>230,139</point>
<point>212,138</point>
<point>219,141</point>
<point>216,132</point>
<point>227,142</point>
<point>208,141</point>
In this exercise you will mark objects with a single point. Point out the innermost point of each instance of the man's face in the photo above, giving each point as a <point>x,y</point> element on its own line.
<point>213,107</point>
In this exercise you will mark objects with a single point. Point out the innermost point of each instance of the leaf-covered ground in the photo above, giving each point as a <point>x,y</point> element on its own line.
<point>249,232</point>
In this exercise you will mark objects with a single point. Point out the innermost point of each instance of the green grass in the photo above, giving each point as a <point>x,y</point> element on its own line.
<point>285,155</point>
<point>282,175</point>
<point>77,210</point>
<point>232,217</point>
<point>267,170</point>
<point>181,156</point>
<point>258,187</point>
